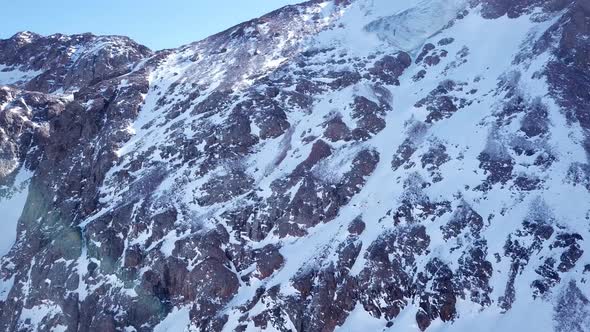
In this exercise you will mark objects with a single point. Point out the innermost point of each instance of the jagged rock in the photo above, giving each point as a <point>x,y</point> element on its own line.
<point>268,261</point>
<point>463,217</point>
<point>69,62</point>
<point>336,130</point>
<point>356,227</point>
<point>389,68</point>
<point>369,115</point>
<point>299,171</point>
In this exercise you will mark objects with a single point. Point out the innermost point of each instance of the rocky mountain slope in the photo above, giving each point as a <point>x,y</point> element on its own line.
<point>341,165</point>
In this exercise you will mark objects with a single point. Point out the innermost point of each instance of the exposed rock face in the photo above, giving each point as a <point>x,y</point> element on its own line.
<point>25,120</point>
<point>66,63</point>
<point>335,165</point>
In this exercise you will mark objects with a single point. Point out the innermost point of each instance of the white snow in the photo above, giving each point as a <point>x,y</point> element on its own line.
<point>366,27</point>
<point>176,321</point>
<point>361,320</point>
<point>34,317</point>
<point>5,286</point>
<point>482,70</point>
<point>11,208</point>
<point>12,75</point>
<point>409,29</point>
<point>524,316</point>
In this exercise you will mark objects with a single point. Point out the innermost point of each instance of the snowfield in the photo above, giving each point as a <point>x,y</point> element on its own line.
<point>365,165</point>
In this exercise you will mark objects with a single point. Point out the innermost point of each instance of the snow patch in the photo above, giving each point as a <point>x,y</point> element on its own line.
<point>12,75</point>
<point>11,207</point>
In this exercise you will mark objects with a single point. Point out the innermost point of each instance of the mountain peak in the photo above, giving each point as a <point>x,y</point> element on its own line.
<point>65,62</point>
<point>25,36</point>
<point>361,165</point>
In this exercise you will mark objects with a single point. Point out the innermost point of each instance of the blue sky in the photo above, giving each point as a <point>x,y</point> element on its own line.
<point>156,24</point>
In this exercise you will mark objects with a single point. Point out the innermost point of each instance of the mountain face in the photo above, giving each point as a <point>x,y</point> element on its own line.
<point>61,63</point>
<point>342,165</point>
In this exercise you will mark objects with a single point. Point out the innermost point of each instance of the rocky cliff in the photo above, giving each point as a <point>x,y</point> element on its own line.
<point>356,165</point>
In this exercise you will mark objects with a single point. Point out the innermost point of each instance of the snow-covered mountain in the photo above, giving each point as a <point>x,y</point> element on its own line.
<point>338,165</point>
